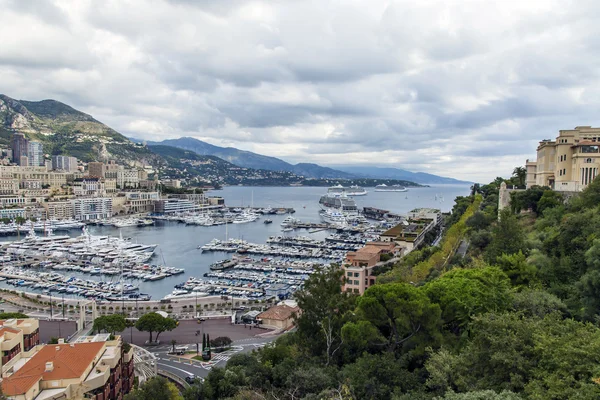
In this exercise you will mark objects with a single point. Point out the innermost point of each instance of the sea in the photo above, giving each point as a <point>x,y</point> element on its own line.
<point>178,244</point>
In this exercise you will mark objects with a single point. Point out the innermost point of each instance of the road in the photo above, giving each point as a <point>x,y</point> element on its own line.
<point>184,368</point>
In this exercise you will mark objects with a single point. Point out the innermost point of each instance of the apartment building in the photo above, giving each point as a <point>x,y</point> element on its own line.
<point>358,266</point>
<point>35,154</point>
<point>8,186</point>
<point>96,169</point>
<point>59,209</point>
<point>19,147</point>
<point>568,163</point>
<point>17,338</point>
<point>127,178</point>
<point>94,367</point>
<point>92,208</point>
<point>409,234</point>
<point>35,173</point>
<point>64,163</point>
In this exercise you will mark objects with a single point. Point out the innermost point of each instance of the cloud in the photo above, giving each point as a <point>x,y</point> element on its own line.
<point>438,86</point>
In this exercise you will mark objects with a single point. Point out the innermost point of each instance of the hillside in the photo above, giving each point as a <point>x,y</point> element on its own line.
<point>247,159</point>
<point>513,315</point>
<point>64,130</point>
<point>397,173</point>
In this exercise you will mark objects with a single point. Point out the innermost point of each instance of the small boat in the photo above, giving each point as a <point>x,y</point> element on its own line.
<point>268,221</point>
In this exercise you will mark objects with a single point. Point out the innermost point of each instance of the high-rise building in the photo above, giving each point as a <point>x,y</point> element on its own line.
<point>19,147</point>
<point>568,163</point>
<point>35,154</point>
<point>64,163</point>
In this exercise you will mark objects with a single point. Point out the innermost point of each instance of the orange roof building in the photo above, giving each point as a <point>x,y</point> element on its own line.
<point>280,316</point>
<point>97,368</point>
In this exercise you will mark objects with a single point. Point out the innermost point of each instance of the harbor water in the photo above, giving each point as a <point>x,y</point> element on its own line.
<point>178,243</point>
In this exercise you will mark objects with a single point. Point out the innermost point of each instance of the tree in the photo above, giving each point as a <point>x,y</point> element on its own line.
<point>324,307</point>
<point>464,293</point>
<point>110,323</point>
<point>507,237</point>
<point>402,313</point>
<point>537,303</point>
<point>475,188</point>
<point>157,388</point>
<point>520,173</point>
<point>480,395</point>
<point>173,343</point>
<point>478,221</point>
<point>376,376</point>
<point>516,267</point>
<point>154,322</point>
<point>221,341</point>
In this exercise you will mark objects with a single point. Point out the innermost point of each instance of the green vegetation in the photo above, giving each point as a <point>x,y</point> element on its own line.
<point>515,318</point>
<point>157,388</point>
<point>11,315</point>
<point>110,323</point>
<point>153,322</point>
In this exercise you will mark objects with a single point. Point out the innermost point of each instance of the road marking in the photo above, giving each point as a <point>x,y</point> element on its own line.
<point>179,369</point>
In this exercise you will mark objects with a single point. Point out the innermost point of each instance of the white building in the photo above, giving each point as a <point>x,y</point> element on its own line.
<point>88,186</point>
<point>127,178</point>
<point>93,208</point>
<point>167,206</point>
<point>35,154</point>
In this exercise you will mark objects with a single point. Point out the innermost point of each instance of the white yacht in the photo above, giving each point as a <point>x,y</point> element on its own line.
<point>244,217</point>
<point>385,188</point>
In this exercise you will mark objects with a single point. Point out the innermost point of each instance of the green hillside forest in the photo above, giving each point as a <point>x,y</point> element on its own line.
<point>515,318</point>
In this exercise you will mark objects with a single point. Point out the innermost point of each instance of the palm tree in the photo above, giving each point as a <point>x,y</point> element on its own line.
<point>521,174</point>
<point>173,343</point>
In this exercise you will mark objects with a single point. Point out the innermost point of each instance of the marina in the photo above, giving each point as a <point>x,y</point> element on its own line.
<point>178,245</point>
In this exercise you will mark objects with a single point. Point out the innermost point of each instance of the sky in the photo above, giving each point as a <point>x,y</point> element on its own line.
<point>456,88</point>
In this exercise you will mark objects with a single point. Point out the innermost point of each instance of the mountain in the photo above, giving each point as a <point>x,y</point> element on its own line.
<point>397,173</point>
<point>247,159</point>
<point>67,131</point>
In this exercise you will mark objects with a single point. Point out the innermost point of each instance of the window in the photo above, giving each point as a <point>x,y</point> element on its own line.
<point>356,283</point>
<point>355,290</point>
<point>356,274</point>
<point>589,160</point>
<point>588,149</point>
<point>349,274</point>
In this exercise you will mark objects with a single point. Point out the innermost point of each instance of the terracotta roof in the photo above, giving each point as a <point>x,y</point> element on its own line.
<point>70,361</point>
<point>278,313</point>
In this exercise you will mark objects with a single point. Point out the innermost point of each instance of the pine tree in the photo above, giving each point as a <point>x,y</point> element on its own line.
<point>208,343</point>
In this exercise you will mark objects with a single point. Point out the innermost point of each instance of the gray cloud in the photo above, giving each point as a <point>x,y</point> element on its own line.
<point>433,86</point>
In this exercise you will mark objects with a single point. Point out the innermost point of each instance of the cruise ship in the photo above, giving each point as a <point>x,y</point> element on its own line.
<point>385,188</point>
<point>348,191</point>
<point>339,202</point>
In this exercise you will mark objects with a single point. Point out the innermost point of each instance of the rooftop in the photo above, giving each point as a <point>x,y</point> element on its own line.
<point>69,361</point>
<point>278,313</point>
